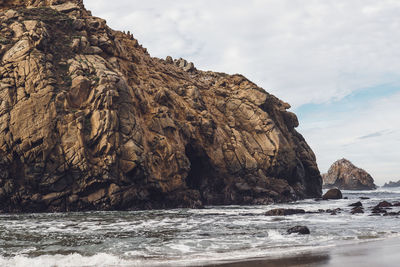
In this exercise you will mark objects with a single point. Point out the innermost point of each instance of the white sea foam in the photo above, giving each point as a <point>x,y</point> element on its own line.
<point>187,237</point>
<point>108,260</point>
<point>73,260</point>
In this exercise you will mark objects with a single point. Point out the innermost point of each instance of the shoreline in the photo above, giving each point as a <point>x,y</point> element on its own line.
<point>369,253</point>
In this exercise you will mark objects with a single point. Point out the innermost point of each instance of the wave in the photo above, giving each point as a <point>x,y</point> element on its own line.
<point>72,260</point>
<point>108,260</point>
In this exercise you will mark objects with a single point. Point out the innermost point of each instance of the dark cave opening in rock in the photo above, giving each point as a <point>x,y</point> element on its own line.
<point>199,167</point>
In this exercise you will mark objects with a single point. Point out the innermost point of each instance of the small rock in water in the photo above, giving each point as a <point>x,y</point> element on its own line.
<point>383,204</point>
<point>357,210</point>
<point>333,211</point>
<point>364,198</point>
<point>284,212</point>
<point>357,204</point>
<point>298,229</point>
<point>377,210</point>
<point>391,213</point>
<point>333,194</point>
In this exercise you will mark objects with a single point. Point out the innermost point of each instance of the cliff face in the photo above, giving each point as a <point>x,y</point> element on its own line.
<point>89,121</point>
<point>344,175</point>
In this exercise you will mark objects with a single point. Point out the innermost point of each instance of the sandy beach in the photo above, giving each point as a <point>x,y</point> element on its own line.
<point>371,253</point>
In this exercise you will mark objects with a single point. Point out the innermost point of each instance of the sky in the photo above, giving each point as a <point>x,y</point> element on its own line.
<point>337,62</point>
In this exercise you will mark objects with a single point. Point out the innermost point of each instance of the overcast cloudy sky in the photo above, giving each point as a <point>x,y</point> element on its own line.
<point>337,62</point>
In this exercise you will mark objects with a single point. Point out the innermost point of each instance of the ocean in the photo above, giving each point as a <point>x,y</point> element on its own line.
<point>187,237</point>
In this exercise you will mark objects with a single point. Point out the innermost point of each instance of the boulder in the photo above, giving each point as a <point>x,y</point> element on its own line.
<point>333,194</point>
<point>345,176</point>
<point>301,230</point>
<point>169,60</point>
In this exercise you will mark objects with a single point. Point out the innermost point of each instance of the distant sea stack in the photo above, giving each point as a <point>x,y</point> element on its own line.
<point>90,121</point>
<point>392,184</point>
<point>344,175</point>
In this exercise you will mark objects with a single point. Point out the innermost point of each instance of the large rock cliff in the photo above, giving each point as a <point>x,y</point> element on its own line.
<point>89,121</point>
<point>344,175</point>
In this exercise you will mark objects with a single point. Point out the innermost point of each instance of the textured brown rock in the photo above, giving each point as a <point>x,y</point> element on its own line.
<point>88,120</point>
<point>344,175</point>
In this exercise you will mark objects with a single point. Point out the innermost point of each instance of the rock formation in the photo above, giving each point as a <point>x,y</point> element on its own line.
<point>392,184</point>
<point>344,175</point>
<point>89,121</point>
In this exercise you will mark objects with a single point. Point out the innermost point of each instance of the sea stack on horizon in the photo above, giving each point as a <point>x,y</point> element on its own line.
<point>345,176</point>
<point>90,121</point>
<point>392,184</point>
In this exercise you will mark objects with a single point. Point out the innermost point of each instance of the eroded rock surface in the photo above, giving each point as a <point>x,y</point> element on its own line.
<point>89,121</point>
<point>344,175</point>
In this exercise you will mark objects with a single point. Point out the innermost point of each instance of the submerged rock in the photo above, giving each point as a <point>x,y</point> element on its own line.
<point>356,204</point>
<point>89,121</point>
<point>383,204</point>
<point>357,209</point>
<point>332,194</point>
<point>344,175</point>
<point>284,212</point>
<point>378,210</point>
<point>301,230</point>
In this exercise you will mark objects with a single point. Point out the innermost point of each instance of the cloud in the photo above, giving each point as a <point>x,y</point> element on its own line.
<point>356,133</point>
<point>303,51</point>
<point>371,135</point>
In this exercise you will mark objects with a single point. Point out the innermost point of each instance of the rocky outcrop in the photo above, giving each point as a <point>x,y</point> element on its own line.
<point>89,121</point>
<point>392,184</point>
<point>344,175</point>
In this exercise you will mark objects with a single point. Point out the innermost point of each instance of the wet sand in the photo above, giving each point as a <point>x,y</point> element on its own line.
<point>372,253</point>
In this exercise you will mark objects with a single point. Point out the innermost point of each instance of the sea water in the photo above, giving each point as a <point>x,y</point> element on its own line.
<point>189,237</point>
